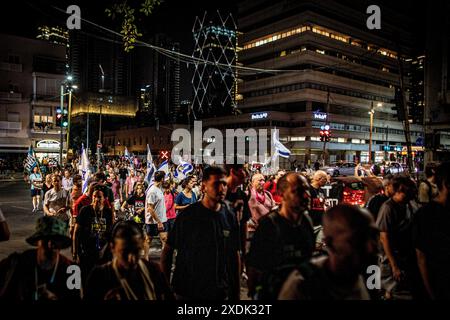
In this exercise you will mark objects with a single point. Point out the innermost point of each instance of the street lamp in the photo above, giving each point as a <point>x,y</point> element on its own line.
<point>65,83</point>
<point>371,113</point>
<point>71,88</point>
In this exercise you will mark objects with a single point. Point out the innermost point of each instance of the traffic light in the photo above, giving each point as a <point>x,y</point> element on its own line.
<point>59,117</point>
<point>325,133</point>
<point>328,135</point>
<point>65,120</point>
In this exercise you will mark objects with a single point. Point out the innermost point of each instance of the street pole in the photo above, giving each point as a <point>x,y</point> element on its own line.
<point>87,130</point>
<point>324,152</point>
<point>386,153</point>
<point>61,139</point>
<point>404,111</point>
<point>370,134</point>
<point>99,138</point>
<point>100,120</point>
<point>68,118</point>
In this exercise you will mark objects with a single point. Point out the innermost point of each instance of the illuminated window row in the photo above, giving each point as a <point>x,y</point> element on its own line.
<point>322,31</point>
<point>276,37</point>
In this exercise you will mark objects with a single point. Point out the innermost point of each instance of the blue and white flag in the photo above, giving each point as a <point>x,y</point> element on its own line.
<point>30,162</point>
<point>85,171</point>
<point>129,158</point>
<point>150,167</point>
<point>164,167</point>
<point>280,149</point>
<point>183,169</point>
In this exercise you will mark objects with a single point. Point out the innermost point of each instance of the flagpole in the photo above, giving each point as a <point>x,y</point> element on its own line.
<point>37,161</point>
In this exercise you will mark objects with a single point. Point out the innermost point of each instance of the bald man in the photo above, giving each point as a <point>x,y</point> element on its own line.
<point>319,180</point>
<point>351,239</point>
<point>284,238</point>
<point>260,203</point>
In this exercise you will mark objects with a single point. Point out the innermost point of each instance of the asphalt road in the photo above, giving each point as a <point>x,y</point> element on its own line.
<point>15,202</point>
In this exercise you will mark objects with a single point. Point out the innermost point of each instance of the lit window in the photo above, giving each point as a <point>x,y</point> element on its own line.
<point>315,138</point>
<point>298,138</point>
<point>342,140</point>
<point>356,141</point>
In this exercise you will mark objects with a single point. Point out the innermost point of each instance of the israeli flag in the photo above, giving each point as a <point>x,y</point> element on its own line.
<point>183,169</point>
<point>280,149</point>
<point>164,167</point>
<point>30,162</point>
<point>150,167</point>
<point>129,158</point>
<point>84,169</point>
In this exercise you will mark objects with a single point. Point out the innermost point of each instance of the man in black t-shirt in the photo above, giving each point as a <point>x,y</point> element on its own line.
<point>374,204</point>
<point>206,237</point>
<point>283,240</point>
<point>92,232</point>
<point>237,199</point>
<point>431,237</point>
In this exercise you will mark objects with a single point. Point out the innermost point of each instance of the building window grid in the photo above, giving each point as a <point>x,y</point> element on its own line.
<point>315,86</point>
<point>322,31</point>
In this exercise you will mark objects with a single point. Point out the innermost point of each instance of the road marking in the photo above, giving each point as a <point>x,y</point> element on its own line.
<point>23,208</point>
<point>11,202</point>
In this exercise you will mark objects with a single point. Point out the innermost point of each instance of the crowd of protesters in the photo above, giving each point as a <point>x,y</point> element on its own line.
<point>222,228</point>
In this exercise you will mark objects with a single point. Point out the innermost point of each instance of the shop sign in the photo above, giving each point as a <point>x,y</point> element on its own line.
<point>48,144</point>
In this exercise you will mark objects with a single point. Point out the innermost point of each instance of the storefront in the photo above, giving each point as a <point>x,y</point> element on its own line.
<point>47,149</point>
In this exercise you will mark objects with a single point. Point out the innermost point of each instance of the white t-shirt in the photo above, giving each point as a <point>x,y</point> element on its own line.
<point>155,196</point>
<point>56,200</point>
<point>67,183</point>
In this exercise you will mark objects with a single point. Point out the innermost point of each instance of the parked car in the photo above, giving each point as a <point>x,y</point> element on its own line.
<point>347,190</point>
<point>341,169</point>
<point>392,168</point>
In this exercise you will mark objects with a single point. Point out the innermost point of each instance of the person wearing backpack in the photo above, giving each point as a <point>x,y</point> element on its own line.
<point>283,240</point>
<point>427,187</point>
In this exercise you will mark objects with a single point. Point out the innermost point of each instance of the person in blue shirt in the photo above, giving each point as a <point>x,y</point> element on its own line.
<point>36,182</point>
<point>186,197</point>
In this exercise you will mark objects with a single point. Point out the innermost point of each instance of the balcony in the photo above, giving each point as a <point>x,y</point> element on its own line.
<point>12,67</point>
<point>10,96</point>
<point>10,125</point>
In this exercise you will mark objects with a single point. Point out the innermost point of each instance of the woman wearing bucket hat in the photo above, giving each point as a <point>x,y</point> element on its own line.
<point>40,273</point>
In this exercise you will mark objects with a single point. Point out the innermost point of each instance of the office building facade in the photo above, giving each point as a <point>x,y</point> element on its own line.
<point>327,68</point>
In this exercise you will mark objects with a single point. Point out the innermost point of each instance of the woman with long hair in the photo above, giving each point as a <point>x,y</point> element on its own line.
<point>186,197</point>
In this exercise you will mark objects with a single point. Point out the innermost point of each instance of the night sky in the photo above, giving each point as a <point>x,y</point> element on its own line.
<point>173,17</point>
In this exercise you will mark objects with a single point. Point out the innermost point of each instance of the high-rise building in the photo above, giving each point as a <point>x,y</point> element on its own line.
<point>326,67</point>
<point>214,79</point>
<point>417,88</point>
<point>164,90</point>
<point>92,56</point>
<point>55,34</point>
<point>437,81</point>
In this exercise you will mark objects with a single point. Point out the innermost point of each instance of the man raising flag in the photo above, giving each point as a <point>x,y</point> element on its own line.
<point>84,169</point>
